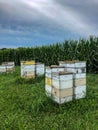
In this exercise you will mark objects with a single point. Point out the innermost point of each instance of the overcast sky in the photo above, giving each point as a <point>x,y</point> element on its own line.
<point>40,22</point>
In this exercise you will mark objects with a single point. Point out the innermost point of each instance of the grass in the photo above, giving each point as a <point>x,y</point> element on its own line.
<point>24,106</point>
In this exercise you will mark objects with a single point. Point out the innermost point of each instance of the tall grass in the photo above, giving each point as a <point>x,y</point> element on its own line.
<point>24,106</point>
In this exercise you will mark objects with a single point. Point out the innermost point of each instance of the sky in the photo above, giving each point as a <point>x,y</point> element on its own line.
<point>29,23</point>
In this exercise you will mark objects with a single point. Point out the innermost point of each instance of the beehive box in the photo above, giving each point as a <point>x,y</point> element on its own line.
<point>59,86</point>
<point>48,84</point>
<point>48,77</point>
<point>2,69</point>
<point>79,76</point>
<point>80,66</point>
<point>7,67</point>
<point>40,68</point>
<point>63,99</point>
<point>74,66</point>
<point>8,63</point>
<point>62,87</point>
<point>79,92</point>
<point>54,68</point>
<point>79,81</point>
<point>28,69</point>
<point>10,68</point>
<point>62,80</point>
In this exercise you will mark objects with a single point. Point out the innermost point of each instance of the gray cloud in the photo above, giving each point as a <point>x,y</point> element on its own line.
<point>88,10</point>
<point>48,17</point>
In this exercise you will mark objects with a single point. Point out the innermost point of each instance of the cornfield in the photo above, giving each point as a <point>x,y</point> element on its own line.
<point>83,49</point>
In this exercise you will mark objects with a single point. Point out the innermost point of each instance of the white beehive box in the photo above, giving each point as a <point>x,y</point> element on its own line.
<point>28,69</point>
<point>48,77</point>
<point>8,63</point>
<point>79,79</point>
<point>62,81</point>
<point>59,86</point>
<point>40,68</point>
<point>74,66</point>
<point>62,87</point>
<point>65,87</point>
<point>2,69</point>
<point>69,65</point>
<point>54,68</point>
<point>8,66</point>
<point>79,76</point>
<point>62,93</point>
<point>79,92</point>
<point>80,66</point>
<point>79,85</point>
<point>48,84</point>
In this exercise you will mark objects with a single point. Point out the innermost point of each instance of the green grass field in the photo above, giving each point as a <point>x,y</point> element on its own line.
<point>24,106</point>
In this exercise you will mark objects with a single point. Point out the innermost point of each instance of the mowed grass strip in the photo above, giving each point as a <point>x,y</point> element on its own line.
<point>24,106</point>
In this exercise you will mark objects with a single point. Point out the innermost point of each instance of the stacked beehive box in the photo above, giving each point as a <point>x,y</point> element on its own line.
<point>10,66</point>
<point>59,84</point>
<point>7,67</point>
<point>80,80</point>
<point>2,69</point>
<point>79,76</point>
<point>40,68</point>
<point>28,69</point>
<point>62,87</point>
<point>48,82</point>
<point>48,79</point>
<point>11,63</point>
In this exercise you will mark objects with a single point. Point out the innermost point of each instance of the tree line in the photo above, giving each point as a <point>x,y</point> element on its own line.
<point>82,49</point>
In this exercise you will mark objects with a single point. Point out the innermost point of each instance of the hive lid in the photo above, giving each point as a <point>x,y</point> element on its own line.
<point>80,61</point>
<point>28,62</point>
<point>69,61</point>
<point>39,63</point>
<point>8,63</point>
<point>56,66</point>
